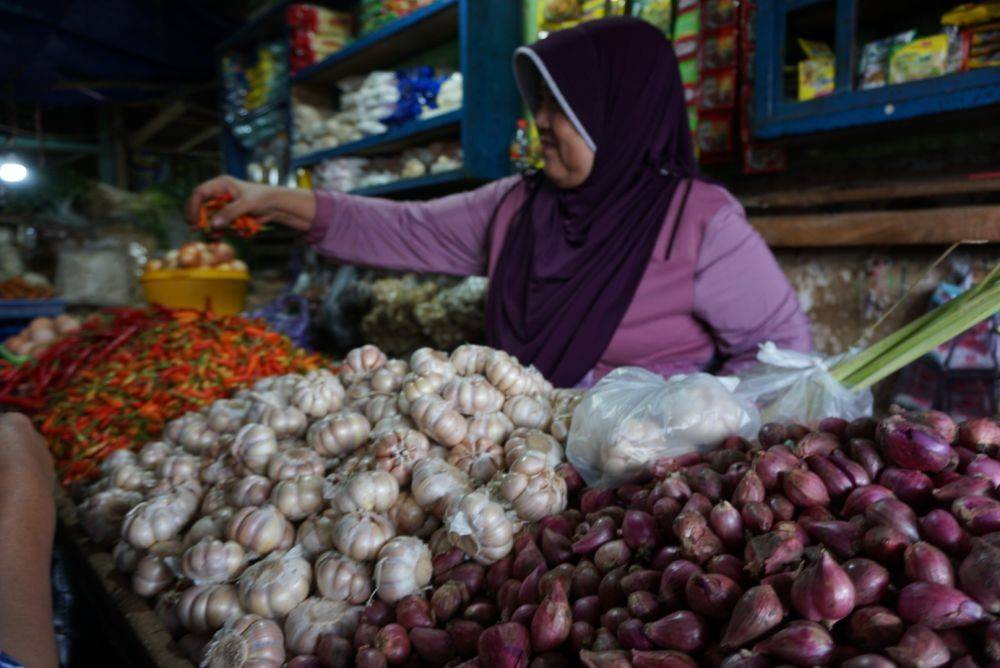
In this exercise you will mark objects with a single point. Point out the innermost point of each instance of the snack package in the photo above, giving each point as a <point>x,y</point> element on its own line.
<point>633,417</point>
<point>718,50</point>
<point>688,24</point>
<point>718,90</point>
<point>715,132</point>
<point>689,71</point>
<point>873,66</point>
<point>815,78</point>
<point>718,13</point>
<point>815,50</point>
<point>920,59</point>
<point>789,386</point>
<point>971,13</point>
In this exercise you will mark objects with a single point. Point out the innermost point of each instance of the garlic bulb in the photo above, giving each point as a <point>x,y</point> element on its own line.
<point>216,498</point>
<point>338,434</point>
<point>358,395</point>
<point>522,441</point>
<point>389,378</point>
<point>284,421</point>
<point>250,490</point>
<point>525,411</point>
<point>507,374</point>
<point>172,432</point>
<point>376,491</point>
<point>403,568</point>
<point>435,483</point>
<point>390,424</point>
<point>191,486</point>
<point>226,416</point>
<point>480,528</point>
<point>360,461</point>
<point>178,468</point>
<point>415,386</point>
<point>398,451</point>
<point>254,446</point>
<point>102,513</point>
<point>205,608</point>
<point>212,561</point>
<point>260,530</point>
<point>317,617</point>
<point>494,427</point>
<point>469,359</point>
<point>565,399</point>
<point>559,428</point>
<point>629,449</point>
<point>157,519</point>
<point>315,534</point>
<point>153,453</point>
<point>472,395</point>
<point>117,459</point>
<point>250,641</point>
<point>360,535</point>
<point>410,519</point>
<point>294,462</point>
<point>540,385</point>
<point>209,526</point>
<point>318,398</point>
<point>126,557</point>
<point>381,406</point>
<point>439,420</point>
<point>426,361</point>
<point>531,488</point>
<point>131,478</point>
<point>152,573</point>
<point>217,471</point>
<point>298,497</point>
<point>479,459</point>
<point>197,437</point>
<point>341,578</point>
<point>275,585</point>
<point>362,361</point>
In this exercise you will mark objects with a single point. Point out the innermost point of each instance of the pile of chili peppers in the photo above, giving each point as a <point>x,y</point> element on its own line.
<point>242,226</point>
<point>117,381</point>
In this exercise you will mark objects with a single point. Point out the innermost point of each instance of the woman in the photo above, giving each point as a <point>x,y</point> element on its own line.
<point>617,254</point>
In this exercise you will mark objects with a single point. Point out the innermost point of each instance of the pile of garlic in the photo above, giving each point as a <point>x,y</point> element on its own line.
<point>264,522</point>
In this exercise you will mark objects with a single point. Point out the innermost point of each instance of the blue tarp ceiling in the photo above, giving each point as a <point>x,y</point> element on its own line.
<point>91,51</point>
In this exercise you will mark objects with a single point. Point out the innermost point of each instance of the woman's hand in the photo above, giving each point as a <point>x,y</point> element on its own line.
<point>287,206</point>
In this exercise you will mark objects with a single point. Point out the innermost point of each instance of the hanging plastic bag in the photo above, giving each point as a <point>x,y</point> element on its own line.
<point>790,386</point>
<point>633,417</point>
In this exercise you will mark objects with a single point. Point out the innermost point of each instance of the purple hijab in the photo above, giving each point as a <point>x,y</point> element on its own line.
<point>572,260</point>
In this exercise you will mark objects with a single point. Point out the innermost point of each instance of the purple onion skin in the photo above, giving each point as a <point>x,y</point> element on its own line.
<point>599,533</point>
<point>781,507</point>
<point>464,634</point>
<point>871,580</point>
<point>862,428</point>
<point>757,517</point>
<point>434,646</point>
<point>991,641</point>
<point>505,646</point>
<point>772,433</point>
<point>712,594</point>
<point>528,592</point>
<point>498,573</point>
<point>666,555</point>
<point>581,636</point>
<point>922,562</point>
<point>750,488</point>
<point>415,611</point>
<point>665,510</point>
<point>795,529</point>
<point>862,497</point>
<point>593,500</point>
<point>836,481</point>
<point>823,591</point>
<point>986,467</point>
<point>641,580</point>
<point>855,472</point>
<point>815,443</point>
<point>805,488</point>
<point>729,565</point>
<point>674,581</point>
<point>912,446</point>
<point>674,487</point>
<point>378,613</point>
<point>527,560</point>
<point>733,475</point>
<point>556,547</point>
<point>640,531</point>
<point>610,658</point>
<point>833,425</point>
<point>482,612</point>
<point>587,609</point>
<point>868,661</point>
<point>979,514</point>
<point>523,614</point>
<point>661,659</point>
<point>745,659</point>
<point>707,482</point>
<point>768,467</point>
<point>841,538</point>
<point>698,503</point>
<point>800,643</point>
<point>937,606</point>
<point>727,524</point>
<point>885,545</point>
<point>875,627</point>
<point>631,635</point>
<point>643,606</point>
<point>771,552</point>
<point>920,646</point>
<point>682,630</point>
<point>896,514</point>
<point>757,611</point>
<point>369,657</point>
<point>365,634</point>
<point>963,486</point>
<point>550,624</point>
<point>941,529</point>
<point>866,455</point>
<point>586,579</point>
<point>614,618</point>
<point>910,486</point>
<point>447,560</point>
<point>604,640</point>
<point>610,590</point>
<point>979,574</point>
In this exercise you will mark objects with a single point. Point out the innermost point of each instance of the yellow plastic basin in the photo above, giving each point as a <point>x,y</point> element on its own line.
<point>222,292</point>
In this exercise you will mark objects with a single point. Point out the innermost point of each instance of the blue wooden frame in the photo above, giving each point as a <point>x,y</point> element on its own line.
<point>775,116</point>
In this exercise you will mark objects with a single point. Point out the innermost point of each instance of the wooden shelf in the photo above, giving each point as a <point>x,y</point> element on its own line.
<point>934,226</point>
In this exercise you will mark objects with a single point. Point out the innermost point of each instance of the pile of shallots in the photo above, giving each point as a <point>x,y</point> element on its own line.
<point>865,545</point>
<point>263,523</point>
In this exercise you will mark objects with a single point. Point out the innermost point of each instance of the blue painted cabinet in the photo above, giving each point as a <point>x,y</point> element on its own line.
<point>846,26</point>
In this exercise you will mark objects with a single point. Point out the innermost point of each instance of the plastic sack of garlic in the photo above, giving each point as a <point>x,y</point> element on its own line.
<point>278,511</point>
<point>633,417</point>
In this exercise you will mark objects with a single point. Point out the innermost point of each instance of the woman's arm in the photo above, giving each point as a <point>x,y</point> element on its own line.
<point>742,294</point>
<point>446,235</point>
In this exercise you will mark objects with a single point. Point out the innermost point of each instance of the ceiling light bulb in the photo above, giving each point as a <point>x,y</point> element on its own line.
<point>13,171</point>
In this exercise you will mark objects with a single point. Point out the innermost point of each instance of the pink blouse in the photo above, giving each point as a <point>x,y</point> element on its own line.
<point>720,295</point>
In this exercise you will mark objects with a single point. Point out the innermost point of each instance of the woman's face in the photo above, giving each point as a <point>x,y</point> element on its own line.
<point>568,159</point>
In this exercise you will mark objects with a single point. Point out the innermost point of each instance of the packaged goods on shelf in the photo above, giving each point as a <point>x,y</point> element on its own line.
<point>374,14</point>
<point>315,33</point>
<point>348,174</point>
<point>922,58</point>
<point>255,89</point>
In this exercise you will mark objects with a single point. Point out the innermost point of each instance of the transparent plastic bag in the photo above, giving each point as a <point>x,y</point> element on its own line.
<point>633,417</point>
<point>790,386</point>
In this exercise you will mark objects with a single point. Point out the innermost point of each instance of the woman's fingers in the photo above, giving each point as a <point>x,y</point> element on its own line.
<point>220,185</point>
<point>227,214</point>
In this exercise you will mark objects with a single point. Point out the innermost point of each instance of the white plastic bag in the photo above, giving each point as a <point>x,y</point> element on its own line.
<point>789,386</point>
<point>633,417</point>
